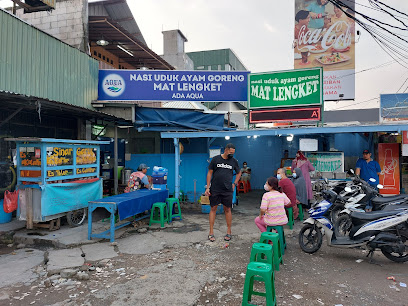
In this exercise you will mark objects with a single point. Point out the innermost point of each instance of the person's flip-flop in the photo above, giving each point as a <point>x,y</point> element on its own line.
<point>227,237</point>
<point>211,238</point>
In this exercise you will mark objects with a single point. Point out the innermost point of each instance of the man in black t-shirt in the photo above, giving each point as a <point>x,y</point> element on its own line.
<point>220,186</point>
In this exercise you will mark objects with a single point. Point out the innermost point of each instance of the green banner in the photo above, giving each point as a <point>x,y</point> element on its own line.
<point>285,88</point>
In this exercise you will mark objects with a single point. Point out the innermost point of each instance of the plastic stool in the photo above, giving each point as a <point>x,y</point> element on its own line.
<point>276,245</point>
<point>264,272</point>
<point>281,234</point>
<point>163,214</point>
<point>301,215</point>
<point>170,205</point>
<point>242,186</point>
<point>249,185</point>
<point>291,221</point>
<point>262,252</point>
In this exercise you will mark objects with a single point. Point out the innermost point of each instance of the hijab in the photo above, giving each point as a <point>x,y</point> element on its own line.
<point>300,185</point>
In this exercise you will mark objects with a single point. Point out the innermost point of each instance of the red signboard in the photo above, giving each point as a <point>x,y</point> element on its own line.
<point>388,155</point>
<point>285,115</point>
<point>405,137</point>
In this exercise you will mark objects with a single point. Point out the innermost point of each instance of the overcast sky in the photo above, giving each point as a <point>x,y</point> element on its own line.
<point>261,34</point>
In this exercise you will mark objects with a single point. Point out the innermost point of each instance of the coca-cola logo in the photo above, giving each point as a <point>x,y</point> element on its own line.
<point>337,35</point>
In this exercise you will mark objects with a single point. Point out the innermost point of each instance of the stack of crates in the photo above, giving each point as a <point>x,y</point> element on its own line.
<point>159,178</point>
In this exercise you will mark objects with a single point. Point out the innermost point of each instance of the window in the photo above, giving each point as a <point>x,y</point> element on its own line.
<point>99,55</point>
<point>103,57</point>
<point>95,53</point>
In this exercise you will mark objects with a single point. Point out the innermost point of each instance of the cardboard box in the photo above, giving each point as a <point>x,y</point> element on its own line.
<point>205,200</point>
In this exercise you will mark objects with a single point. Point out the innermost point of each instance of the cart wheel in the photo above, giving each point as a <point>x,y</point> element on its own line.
<point>77,217</point>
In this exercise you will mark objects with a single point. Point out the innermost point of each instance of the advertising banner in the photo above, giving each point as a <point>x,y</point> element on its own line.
<point>285,88</point>
<point>388,155</point>
<point>394,107</point>
<point>324,36</point>
<point>171,85</point>
<point>327,161</point>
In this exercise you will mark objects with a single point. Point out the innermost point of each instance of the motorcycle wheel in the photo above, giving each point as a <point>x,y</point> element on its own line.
<point>335,213</point>
<point>394,255</point>
<point>310,238</point>
<point>77,217</point>
<point>343,226</point>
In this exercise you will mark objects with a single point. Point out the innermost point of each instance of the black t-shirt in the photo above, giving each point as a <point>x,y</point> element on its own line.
<point>222,173</point>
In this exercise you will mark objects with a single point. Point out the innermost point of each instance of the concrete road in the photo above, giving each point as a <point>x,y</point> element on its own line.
<point>179,266</point>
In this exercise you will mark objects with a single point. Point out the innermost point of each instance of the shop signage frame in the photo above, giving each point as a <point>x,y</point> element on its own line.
<point>287,88</point>
<point>285,115</point>
<point>172,85</point>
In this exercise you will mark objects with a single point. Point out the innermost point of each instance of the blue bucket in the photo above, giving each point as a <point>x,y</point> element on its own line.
<point>4,217</point>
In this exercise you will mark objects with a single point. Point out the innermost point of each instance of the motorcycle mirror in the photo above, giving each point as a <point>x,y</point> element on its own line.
<point>351,171</point>
<point>348,189</point>
<point>326,180</point>
<point>372,180</point>
<point>379,186</point>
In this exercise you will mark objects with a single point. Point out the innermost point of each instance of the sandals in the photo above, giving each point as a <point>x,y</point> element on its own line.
<point>211,238</point>
<point>227,237</point>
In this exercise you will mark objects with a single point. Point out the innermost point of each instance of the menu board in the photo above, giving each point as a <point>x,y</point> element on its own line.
<point>85,156</point>
<point>30,156</point>
<point>30,173</point>
<point>86,170</point>
<point>57,156</point>
<point>62,172</point>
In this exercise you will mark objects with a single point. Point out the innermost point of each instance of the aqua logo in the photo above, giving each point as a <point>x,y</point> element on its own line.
<point>113,85</point>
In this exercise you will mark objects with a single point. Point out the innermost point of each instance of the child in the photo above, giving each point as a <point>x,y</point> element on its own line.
<point>272,206</point>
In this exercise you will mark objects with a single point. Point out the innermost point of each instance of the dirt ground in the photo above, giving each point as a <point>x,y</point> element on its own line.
<point>329,277</point>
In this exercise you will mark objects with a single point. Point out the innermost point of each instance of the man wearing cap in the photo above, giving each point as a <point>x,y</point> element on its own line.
<point>138,180</point>
<point>368,168</point>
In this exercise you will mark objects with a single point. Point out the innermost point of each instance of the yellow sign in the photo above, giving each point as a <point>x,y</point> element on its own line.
<point>85,170</point>
<point>59,156</point>
<point>85,156</point>
<point>63,172</point>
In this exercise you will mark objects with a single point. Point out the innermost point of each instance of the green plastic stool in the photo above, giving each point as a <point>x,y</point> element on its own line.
<point>263,271</point>
<point>170,204</point>
<point>291,221</point>
<point>262,252</point>
<point>301,215</point>
<point>163,214</point>
<point>276,245</point>
<point>281,233</point>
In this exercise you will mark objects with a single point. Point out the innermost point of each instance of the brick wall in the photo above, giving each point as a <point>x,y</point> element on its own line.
<point>68,22</point>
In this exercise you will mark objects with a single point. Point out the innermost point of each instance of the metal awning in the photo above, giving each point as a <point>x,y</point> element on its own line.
<point>137,55</point>
<point>293,131</point>
<point>16,103</point>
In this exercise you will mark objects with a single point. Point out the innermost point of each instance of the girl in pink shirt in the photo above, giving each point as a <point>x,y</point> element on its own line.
<point>272,206</point>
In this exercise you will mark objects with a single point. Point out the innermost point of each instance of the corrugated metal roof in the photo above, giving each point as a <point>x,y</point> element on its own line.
<point>119,11</point>
<point>33,63</point>
<point>184,105</point>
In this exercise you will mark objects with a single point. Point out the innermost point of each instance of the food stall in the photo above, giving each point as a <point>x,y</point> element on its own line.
<point>55,178</point>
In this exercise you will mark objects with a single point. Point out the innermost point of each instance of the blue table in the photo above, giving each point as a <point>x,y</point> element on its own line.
<point>127,205</point>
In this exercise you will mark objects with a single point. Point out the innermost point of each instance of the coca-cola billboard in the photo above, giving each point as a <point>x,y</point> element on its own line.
<point>324,37</point>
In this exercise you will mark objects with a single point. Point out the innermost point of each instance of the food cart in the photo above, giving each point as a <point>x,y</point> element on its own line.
<point>55,178</point>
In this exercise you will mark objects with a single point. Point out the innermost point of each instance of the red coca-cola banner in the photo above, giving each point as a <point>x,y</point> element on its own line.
<point>324,36</point>
<point>388,155</point>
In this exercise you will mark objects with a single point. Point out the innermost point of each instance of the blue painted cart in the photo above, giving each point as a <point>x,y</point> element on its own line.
<point>56,177</point>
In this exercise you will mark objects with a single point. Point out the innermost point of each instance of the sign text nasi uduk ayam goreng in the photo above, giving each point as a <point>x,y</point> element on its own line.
<point>283,89</point>
<point>188,86</point>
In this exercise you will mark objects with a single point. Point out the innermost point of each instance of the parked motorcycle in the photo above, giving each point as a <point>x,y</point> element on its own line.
<point>384,230</point>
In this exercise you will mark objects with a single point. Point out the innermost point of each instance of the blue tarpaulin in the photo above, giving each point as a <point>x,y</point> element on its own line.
<point>159,119</point>
<point>64,197</point>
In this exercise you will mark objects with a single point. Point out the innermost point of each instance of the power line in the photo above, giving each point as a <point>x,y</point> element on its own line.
<point>355,104</point>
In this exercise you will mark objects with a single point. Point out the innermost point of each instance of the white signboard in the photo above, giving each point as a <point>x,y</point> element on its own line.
<point>308,145</point>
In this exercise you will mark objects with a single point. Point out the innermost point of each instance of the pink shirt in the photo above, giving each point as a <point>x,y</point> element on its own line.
<point>274,203</point>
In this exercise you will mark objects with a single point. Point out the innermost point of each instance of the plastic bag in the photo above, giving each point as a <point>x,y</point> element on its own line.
<point>10,202</point>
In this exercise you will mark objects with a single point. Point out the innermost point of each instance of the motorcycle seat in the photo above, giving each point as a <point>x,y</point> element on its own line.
<point>374,215</point>
<point>382,200</point>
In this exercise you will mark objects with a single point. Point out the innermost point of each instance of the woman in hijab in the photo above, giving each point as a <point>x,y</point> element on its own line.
<point>304,164</point>
<point>300,185</point>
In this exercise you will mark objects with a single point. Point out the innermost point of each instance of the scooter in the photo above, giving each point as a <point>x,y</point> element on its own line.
<point>384,230</point>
